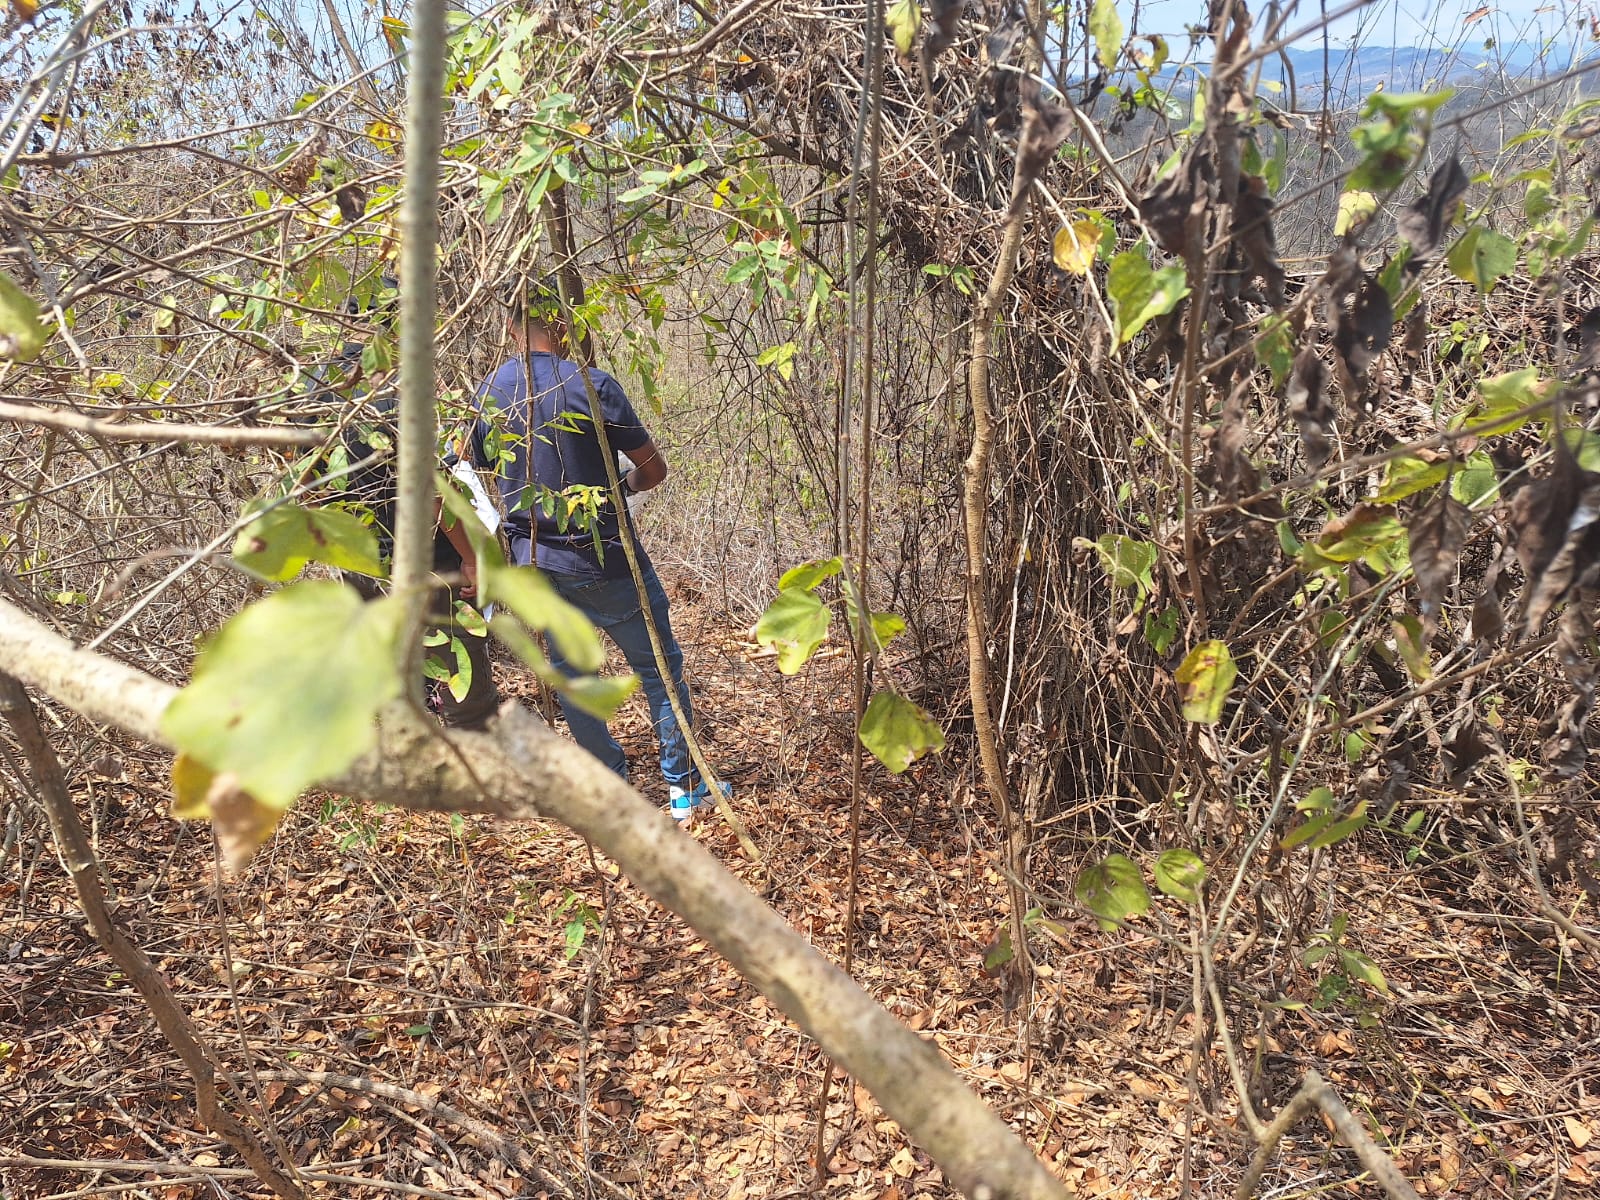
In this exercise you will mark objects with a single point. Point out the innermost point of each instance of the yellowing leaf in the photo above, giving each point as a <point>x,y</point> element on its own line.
<point>1105,26</point>
<point>899,732</point>
<point>1205,677</point>
<point>904,19</point>
<point>795,624</point>
<point>26,10</point>
<point>21,335</point>
<point>286,694</point>
<point>279,542</point>
<point>1354,208</point>
<point>1076,245</point>
<point>240,821</point>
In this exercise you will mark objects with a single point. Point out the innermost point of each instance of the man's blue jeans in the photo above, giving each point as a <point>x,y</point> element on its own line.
<point>613,606</point>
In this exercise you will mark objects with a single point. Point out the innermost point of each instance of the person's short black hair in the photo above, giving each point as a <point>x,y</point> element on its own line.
<point>535,299</point>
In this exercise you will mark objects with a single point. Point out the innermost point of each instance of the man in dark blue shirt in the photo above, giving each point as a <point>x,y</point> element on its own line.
<point>536,432</point>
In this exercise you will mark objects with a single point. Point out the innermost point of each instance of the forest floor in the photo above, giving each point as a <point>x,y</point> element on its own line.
<point>400,981</point>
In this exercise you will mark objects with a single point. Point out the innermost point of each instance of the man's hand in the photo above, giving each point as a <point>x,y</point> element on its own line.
<point>469,577</point>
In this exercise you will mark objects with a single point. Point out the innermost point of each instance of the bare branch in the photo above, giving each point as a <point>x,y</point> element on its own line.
<point>161,431</point>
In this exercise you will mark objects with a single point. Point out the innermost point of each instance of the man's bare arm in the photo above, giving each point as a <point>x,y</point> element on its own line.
<point>649,468</point>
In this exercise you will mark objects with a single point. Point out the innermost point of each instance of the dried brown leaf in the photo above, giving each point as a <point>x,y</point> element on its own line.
<point>1422,223</point>
<point>1488,618</point>
<point>1045,126</point>
<point>1437,534</point>
<point>1467,747</point>
<point>1363,327</point>
<point>1308,405</point>
<point>1555,520</point>
<point>1254,235</point>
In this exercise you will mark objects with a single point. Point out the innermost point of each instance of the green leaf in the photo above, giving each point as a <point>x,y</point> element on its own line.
<point>886,626</point>
<point>377,355</point>
<point>903,19</point>
<point>1408,475</point>
<point>899,732</point>
<point>21,335</point>
<point>1413,647</point>
<point>1105,26</point>
<point>1401,104</point>
<point>1308,829</point>
<point>1161,631</point>
<point>1179,873</point>
<point>1503,396</point>
<point>1205,677</point>
<point>1274,347</point>
<point>528,594</point>
<point>279,542</point>
<point>1482,258</point>
<point>1139,294</point>
<point>1113,891</point>
<point>1358,966</point>
<point>286,693</point>
<point>809,574</point>
<point>1128,561</point>
<point>795,624</point>
<point>598,695</point>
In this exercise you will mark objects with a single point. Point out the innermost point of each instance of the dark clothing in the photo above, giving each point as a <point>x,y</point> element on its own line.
<point>536,433</point>
<point>370,443</point>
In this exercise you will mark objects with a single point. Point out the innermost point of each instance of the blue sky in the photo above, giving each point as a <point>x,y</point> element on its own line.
<point>1432,23</point>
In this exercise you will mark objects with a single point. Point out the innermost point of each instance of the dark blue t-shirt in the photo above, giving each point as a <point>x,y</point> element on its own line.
<point>545,436</point>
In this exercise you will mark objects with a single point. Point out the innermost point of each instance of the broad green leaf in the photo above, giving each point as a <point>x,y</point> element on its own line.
<point>1113,891</point>
<point>528,594</point>
<point>1139,294</point>
<point>1307,829</point>
<point>1205,677</point>
<point>377,355</point>
<point>1105,26</point>
<point>904,18</point>
<point>1128,561</point>
<point>1482,258</point>
<point>1341,829</point>
<point>279,542</point>
<point>899,732</point>
<point>1503,397</point>
<point>1358,966</point>
<point>600,695</point>
<point>886,626</point>
<point>286,693</point>
<point>1318,799</point>
<point>1161,631</point>
<point>809,574</point>
<point>1408,475</point>
<point>1368,533</point>
<point>795,624</point>
<point>21,335</point>
<point>1354,208</point>
<point>1413,647</point>
<point>1401,104</point>
<point>1179,873</point>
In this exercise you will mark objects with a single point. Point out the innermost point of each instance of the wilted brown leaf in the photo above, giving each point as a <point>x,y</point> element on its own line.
<point>1422,223</point>
<point>1308,405</point>
<point>1437,534</point>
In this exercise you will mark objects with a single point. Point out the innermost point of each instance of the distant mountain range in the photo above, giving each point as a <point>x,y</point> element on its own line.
<point>1356,71</point>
